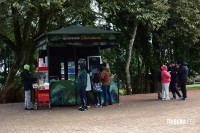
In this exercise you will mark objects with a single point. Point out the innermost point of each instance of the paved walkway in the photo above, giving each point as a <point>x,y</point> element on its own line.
<point>140,113</point>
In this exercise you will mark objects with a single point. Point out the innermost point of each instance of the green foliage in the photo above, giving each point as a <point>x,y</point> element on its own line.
<point>23,21</point>
<point>167,30</point>
<point>173,26</point>
<point>122,91</point>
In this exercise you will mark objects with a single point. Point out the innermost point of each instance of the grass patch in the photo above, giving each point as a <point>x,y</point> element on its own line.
<point>193,87</point>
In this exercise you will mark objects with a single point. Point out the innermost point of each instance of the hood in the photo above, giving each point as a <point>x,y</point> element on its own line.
<point>82,63</point>
<point>184,63</point>
<point>164,67</point>
<point>27,67</point>
<point>82,66</point>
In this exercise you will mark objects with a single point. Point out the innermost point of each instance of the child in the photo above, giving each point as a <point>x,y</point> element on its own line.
<point>97,89</point>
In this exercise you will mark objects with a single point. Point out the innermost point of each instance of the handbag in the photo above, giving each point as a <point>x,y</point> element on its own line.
<point>97,87</point>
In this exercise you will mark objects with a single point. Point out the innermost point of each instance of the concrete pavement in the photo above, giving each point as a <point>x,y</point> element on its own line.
<point>141,113</point>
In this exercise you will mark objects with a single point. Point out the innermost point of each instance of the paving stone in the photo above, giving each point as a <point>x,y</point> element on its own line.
<point>140,113</point>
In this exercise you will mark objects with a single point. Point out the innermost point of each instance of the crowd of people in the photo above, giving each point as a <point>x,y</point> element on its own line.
<point>100,85</point>
<point>173,78</point>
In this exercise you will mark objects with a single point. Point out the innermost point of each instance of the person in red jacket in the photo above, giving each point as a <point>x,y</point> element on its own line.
<point>166,78</point>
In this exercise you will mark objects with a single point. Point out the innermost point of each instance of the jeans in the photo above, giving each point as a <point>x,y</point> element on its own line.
<point>27,99</point>
<point>97,98</point>
<point>82,93</point>
<point>106,94</point>
<point>174,89</point>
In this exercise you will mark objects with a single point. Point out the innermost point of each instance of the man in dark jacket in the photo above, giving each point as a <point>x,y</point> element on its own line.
<point>27,85</point>
<point>82,83</point>
<point>174,80</point>
<point>183,77</point>
<point>158,82</point>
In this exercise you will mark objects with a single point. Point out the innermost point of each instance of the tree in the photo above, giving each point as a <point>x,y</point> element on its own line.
<point>23,21</point>
<point>152,13</point>
<point>179,37</point>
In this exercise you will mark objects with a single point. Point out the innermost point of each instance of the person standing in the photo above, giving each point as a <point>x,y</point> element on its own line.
<point>105,75</point>
<point>97,89</point>
<point>82,83</point>
<point>166,78</point>
<point>183,77</point>
<point>88,89</point>
<point>158,83</point>
<point>174,81</point>
<point>27,85</point>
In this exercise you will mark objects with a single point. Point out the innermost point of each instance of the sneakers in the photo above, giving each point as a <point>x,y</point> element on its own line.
<point>173,98</point>
<point>180,98</point>
<point>165,99</point>
<point>105,104</point>
<point>82,109</point>
<point>183,99</point>
<point>29,108</point>
<point>98,105</point>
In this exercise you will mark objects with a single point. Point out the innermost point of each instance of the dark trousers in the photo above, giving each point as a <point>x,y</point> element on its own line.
<point>174,88</point>
<point>183,88</point>
<point>83,97</point>
<point>87,98</point>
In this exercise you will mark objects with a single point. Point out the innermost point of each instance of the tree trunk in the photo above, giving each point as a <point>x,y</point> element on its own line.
<point>10,86</point>
<point>23,48</point>
<point>129,57</point>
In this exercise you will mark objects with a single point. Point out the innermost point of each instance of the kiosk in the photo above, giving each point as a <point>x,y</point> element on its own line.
<point>61,50</point>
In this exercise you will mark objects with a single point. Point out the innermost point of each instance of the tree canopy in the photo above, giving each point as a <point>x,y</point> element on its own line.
<point>154,32</point>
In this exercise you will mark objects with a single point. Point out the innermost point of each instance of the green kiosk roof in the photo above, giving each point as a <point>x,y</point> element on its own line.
<point>79,36</point>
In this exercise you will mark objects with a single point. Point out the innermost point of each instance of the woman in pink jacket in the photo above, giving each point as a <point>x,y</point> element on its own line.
<point>166,78</point>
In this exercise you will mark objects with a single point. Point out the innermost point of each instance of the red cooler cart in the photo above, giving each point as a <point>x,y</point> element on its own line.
<point>42,98</point>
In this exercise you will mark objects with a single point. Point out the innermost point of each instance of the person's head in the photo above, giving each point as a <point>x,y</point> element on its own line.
<point>184,63</point>
<point>172,64</point>
<point>104,65</point>
<point>179,63</point>
<point>82,63</point>
<point>27,67</point>
<point>164,67</point>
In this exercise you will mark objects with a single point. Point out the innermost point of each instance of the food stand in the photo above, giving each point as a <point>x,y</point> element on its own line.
<point>41,88</point>
<point>61,50</point>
